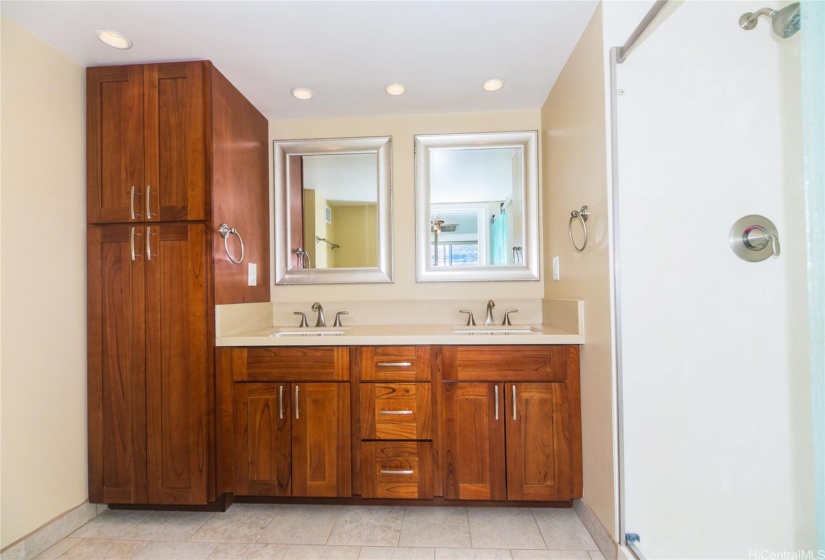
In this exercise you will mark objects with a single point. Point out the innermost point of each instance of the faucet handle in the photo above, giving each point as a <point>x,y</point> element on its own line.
<point>337,322</point>
<point>506,322</point>
<point>471,322</point>
<point>303,318</point>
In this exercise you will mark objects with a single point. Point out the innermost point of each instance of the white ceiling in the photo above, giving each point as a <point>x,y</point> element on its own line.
<point>344,51</point>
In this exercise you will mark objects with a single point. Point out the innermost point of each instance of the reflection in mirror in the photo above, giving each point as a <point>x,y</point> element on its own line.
<point>477,206</point>
<point>333,210</point>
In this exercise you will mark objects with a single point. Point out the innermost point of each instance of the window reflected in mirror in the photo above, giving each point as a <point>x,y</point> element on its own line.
<point>477,206</point>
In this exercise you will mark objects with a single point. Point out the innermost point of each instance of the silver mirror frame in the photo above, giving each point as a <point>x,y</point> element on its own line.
<point>282,150</point>
<point>528,141</point>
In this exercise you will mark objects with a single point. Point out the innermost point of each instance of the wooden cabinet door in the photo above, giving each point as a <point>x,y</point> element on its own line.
<point>474,441</point>
<point>263,440</point>
<point>176,144</point>
<point>321,464</point>
<point>114,144</point>
<point>539,442</point>
<point>116,382</point>
<point>177,365</point>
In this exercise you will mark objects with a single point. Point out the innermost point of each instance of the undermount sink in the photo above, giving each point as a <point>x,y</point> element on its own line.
<point>494,330</point>
<point>310,331</point>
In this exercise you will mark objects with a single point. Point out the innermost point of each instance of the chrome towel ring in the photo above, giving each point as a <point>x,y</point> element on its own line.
<point>225,232</point>
<point>582,215</point>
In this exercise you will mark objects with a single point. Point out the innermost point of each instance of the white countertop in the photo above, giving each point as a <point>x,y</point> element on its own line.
<point>383,335</point>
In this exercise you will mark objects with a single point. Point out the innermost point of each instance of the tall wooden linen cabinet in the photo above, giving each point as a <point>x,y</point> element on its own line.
<point>173,152</point>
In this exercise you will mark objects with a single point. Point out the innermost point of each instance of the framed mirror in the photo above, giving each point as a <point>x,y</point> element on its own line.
<point>333,210</point>
<point>476,202</point>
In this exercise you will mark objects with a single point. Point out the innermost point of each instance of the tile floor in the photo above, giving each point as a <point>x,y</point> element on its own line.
<point>305,532</point>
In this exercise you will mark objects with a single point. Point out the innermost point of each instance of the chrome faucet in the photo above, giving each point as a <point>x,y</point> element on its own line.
<point>490,321</point>
<point>320,322</point>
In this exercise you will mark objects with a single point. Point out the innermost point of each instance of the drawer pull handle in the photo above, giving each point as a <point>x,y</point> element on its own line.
<point>496,391</point>
<point>395,471</point>
<point>281,402</point>
<point>394,364</point>
<point>395,412</point>
<point>297,404</point>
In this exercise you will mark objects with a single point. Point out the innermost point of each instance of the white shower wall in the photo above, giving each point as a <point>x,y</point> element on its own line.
<point>717,458</point>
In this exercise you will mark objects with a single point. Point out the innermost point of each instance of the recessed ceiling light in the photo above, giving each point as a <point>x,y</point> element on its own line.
<point>493,84</point>
<point>395,89</point>
<point>301,93</point>
<point>114,39</point>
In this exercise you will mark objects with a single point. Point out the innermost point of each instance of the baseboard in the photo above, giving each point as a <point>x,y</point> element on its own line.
<point>52,532</point>
<point>592,523</point>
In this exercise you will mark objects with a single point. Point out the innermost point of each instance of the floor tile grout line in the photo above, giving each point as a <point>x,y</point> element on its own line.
<point>544,540</point>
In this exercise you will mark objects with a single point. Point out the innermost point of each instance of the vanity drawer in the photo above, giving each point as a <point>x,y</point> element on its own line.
<point>395,363</point>
<point>509,363</point>
<point>295,363</point>
<point>396,411</point>
<point>397,469</point>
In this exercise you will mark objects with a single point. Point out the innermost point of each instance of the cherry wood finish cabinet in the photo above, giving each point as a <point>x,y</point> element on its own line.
<point>148,363</point>
<point>512,427</point>
<point>397,423</point>
<point>292,431</point>
<point>173,151</point>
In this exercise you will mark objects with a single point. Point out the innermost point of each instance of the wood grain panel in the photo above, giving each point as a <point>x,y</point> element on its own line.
<point>178,364</point>
<point>574,394</point>
<point>397,456</point>
<point>384,407</point>
<point>321,440</point>
<point>240,191</point>
<point>297,363</point>
<point>114,142</point>
<point>116,380</point>
<point>473,442</point>
<point>506,363</point>
<point>539,442</point>
<point>263,447</point>
<point>388,363</point>
<point>175,136</point>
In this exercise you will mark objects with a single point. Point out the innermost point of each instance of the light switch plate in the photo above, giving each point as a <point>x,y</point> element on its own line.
<point>555,268</point>
<point>253,274</point>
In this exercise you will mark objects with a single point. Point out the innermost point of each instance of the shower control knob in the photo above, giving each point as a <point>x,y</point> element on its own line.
<point>754,238</point>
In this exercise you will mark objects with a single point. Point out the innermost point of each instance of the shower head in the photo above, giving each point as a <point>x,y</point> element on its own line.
<point>785,22</point>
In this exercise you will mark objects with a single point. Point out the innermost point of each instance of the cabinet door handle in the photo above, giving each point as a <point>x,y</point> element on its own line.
<point>396,471</point>
<point>514,402</point>
<point>394,364</point>
<point>149,235</point>
<point>297,406</point>
<point>132,212</point>
<point>395,412</point>
<point>281,402</point>
<point>148,202</point>
<point>132,233</point>
<point>496,399</point>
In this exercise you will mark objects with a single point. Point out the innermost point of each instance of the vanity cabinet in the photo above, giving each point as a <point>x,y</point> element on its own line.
<point>396,421</point>
<point>512,428</point>
<point>292,423</point>
<point>173,151</point>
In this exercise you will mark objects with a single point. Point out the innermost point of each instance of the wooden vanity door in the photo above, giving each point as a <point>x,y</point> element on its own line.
<point>474,441</point>
<point>321,449</point>
<point>539,442</point>
<point>263,439</point>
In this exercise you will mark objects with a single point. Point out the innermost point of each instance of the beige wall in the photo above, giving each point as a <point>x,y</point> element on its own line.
<point>359,243</point>
<point>403,129</point>
<point>574,151</point>
<point>43,318</point>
